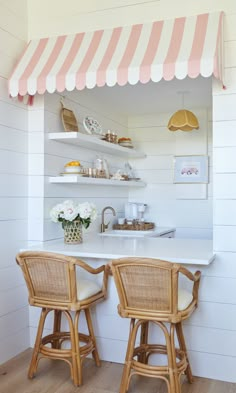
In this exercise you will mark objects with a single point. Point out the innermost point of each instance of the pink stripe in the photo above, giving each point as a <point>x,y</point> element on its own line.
<point>173,51</point>
<point>30,67</point>
<point>20,98</point>
<point>198,45</point>
<point>145,68</point>
<point>217,67</point>
<point>81,74</point>
<point>41,82</point>
<point>101,72</point>
<point>30,101</point>
<point>61,76</point>
<point>122,72</point>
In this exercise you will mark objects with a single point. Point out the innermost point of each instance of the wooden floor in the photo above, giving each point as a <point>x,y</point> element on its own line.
<point>53,377</point>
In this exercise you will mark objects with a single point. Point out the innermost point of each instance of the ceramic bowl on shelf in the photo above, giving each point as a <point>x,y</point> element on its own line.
<point>72,169</point>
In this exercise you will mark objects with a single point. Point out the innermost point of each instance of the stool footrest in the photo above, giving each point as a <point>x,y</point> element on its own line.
<point>60,337</point>
<point>151,370</point>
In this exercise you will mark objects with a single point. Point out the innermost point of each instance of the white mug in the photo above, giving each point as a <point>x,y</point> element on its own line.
<point>121,220</point>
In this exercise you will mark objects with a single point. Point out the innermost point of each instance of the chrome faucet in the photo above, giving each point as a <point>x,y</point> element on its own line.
<point>103,225</point>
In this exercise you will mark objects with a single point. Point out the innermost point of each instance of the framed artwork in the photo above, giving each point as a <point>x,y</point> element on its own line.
<point>191,169</point>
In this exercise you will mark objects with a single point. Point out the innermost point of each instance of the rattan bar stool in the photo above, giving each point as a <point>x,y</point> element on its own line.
<point>149,294</point>
<point>53,286</point>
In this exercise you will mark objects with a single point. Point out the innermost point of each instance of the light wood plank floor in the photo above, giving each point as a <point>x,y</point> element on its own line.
<point>53,377</point>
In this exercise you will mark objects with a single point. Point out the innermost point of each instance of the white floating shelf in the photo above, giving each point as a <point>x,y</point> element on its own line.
<point>74,179</point>
<point>94,143</point>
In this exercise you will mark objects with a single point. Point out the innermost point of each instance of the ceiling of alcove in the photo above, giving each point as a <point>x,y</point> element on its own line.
<point>160,97</point>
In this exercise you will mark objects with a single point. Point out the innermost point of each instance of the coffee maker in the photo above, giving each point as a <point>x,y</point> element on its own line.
<point>135,211</point>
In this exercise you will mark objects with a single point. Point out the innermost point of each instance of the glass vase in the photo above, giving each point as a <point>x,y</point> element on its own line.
<point>73,232</point>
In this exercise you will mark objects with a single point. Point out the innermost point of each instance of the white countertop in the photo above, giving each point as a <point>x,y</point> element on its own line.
<point>184,251</point>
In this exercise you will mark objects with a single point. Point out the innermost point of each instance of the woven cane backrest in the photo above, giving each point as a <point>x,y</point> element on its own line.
<point>144,284</point>
<point>47,276</point>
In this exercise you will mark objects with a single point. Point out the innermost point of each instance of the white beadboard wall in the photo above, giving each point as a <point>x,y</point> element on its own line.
<point>14,325</point>
<point>47,158</point>
<point>187,207</point>
<point>211,332</point>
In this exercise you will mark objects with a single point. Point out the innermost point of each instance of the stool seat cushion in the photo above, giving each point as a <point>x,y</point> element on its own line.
<point>87,288</point>
<point>184,299</point>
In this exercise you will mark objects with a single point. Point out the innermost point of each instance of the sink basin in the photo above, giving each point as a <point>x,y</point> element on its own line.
<point>128,233</point>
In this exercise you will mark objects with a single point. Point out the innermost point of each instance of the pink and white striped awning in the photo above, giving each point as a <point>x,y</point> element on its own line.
<point>188,46</point>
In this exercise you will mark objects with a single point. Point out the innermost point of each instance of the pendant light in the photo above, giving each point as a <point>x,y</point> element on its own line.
<point>183,119</point>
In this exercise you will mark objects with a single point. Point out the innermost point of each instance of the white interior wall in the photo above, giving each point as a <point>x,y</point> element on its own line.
<point>92,15</point>
<point>47,158</point>
<point>217,309</point>
<point>14,331</point>
<point>187,207</point>
<point>215,319</point>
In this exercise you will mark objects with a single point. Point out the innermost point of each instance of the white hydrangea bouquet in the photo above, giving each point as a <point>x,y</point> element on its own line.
<point>73,216</point>
<point>69,211</point>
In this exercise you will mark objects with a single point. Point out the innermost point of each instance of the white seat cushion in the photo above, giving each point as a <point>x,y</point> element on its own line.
<point>87,288</point>
<point>184,299</point>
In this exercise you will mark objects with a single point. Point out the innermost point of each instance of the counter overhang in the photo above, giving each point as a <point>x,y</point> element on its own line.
<point>184,251</point>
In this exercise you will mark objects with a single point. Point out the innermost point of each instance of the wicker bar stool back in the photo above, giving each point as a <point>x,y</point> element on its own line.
<point>149,291</point>
<point>53,286</point>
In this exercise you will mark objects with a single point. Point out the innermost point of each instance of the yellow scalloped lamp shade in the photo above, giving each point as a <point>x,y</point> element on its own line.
<point>183,120</point>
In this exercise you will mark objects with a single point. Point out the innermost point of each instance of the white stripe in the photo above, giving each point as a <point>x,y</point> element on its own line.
<point>207,60</point>
<point>134,68</point>
<point>111,73</point>
<point>51,78</point>
<point>181,66</point>
<point>71,74</point>
<point>162,50</point>
<point>91,74</point>
<point>14,81</point>
<point>32,81</point>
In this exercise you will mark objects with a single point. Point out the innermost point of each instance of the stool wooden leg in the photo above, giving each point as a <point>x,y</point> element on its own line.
<point>91,333</point>
<point>180,335</point>
<point>57,327</point>
<point>143,340</point>
<point>172,383</point>
<point>77,348</point>
<point>173,353</point>
<point>128,359</point>
<point>76,375</point>
<point>36,350</point>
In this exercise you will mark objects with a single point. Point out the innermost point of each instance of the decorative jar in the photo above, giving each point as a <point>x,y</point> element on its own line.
<point>73,233</point>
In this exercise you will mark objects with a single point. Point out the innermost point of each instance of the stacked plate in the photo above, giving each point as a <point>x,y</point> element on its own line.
<point>126,144</point>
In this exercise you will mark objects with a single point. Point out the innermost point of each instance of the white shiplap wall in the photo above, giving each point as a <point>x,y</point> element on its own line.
<point>188,208</point>
<point>47,158</point>
<point>212,338</point>
<point>14,330</point>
